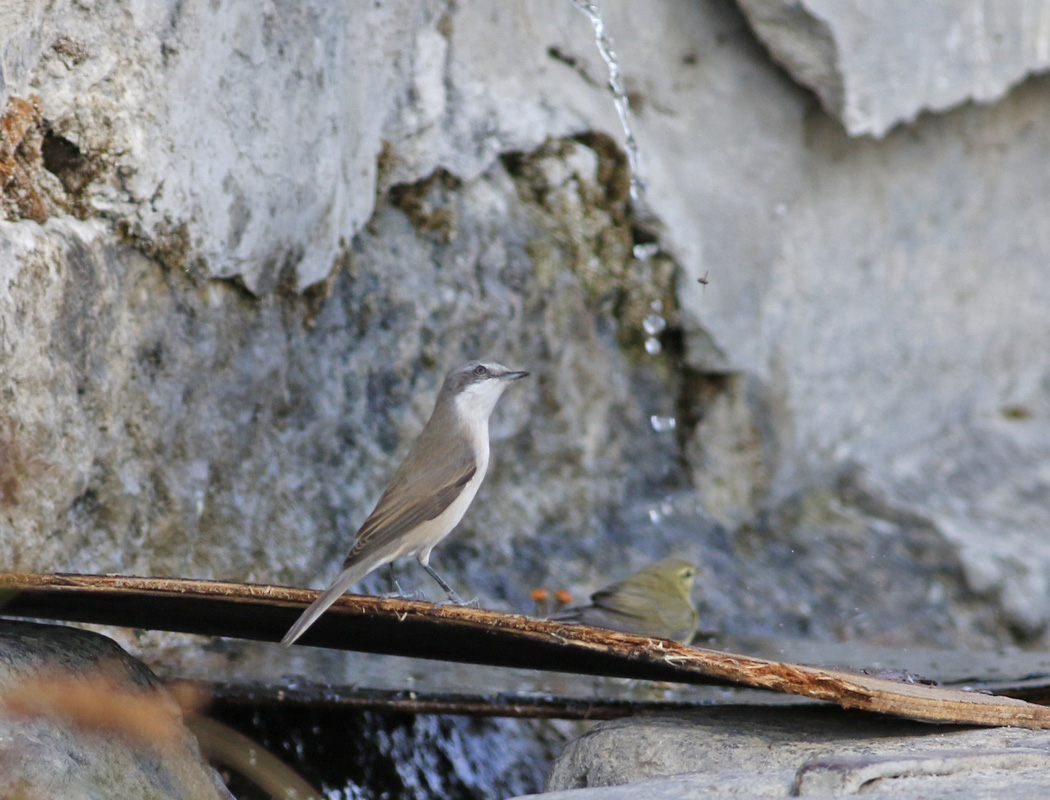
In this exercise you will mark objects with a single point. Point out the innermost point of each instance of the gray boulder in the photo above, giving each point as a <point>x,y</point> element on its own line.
<point>814,752</point>
<point>49,756</point>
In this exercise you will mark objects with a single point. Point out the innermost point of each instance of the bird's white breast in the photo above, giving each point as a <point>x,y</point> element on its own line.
<point>429,533</point>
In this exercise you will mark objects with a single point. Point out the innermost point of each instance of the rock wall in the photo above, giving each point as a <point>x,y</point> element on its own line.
<point>242,245</point>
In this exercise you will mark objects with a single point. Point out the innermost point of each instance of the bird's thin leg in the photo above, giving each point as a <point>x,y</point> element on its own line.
<point>395,587</point>
<point>453,598</point>
<point>400,593</point>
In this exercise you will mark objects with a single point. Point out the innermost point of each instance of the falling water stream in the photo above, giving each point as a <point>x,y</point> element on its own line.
<point>623,106</point>
<point>654,324</point>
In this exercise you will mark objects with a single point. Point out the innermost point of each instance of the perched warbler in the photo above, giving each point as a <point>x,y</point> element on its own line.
<point>654,601</point>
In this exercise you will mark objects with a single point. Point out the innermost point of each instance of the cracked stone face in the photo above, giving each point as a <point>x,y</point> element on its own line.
<point>239,252</point>
<point>172,403</point>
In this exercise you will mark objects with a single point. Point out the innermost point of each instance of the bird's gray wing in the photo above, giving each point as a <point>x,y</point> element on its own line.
<point>624,599</point>
<point>615,601</point>
<point>435,480</point>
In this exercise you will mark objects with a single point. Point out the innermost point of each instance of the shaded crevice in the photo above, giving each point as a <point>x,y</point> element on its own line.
<point>65,161</point>
<point>42,173</point>
<point>573,63</point>
<point>427,204</point>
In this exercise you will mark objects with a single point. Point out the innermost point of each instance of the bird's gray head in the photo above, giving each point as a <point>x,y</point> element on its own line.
<point>475,387</point>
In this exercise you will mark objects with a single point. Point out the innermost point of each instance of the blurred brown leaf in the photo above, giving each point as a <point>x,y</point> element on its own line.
<point>104,703</point>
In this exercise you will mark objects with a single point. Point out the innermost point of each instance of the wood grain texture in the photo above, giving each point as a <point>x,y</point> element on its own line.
<point>470,635</point>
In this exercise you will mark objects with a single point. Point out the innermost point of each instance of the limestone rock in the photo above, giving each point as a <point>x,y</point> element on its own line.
<point>243,245</point>
<point>192,429</point>
<point>986,486</point>
<point>817,752</point>
<point>875,66</point>
<point>251,135</point>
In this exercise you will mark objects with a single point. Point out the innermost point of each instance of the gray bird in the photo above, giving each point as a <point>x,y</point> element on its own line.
<point>432,488</point>
<point>654,601</point>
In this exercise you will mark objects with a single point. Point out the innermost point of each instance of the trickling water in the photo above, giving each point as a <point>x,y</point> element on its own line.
<point>363,755</point>
<point>623,106</point>
<point>654,324</point>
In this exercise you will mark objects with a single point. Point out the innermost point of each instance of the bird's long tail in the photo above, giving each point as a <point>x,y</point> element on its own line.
<point>347,578</point>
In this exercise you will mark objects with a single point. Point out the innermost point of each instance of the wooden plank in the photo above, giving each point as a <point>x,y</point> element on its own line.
<point>471,635</point>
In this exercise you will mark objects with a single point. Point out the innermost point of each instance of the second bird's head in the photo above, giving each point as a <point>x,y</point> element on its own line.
<point>477,385</point>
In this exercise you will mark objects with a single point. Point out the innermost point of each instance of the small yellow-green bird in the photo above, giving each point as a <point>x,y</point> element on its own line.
<point>654,601</point>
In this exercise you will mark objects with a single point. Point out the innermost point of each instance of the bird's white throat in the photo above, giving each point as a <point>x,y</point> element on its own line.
<point>474,403</point>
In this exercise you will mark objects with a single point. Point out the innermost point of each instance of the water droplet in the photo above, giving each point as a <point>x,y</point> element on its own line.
<point>661,424</point>
<point>654,516</point>
<point>643,252</point>
<point>653,346</point>
<point>657,306</point>
<point>654,324</point>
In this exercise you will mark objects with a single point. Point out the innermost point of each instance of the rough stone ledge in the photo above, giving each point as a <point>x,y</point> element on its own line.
<point>875,65</point>
<point>815,752</point>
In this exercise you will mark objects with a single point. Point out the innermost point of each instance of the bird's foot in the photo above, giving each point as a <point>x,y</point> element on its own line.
<point>455,600</point>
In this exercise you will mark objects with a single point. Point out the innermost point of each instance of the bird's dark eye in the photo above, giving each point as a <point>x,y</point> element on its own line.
<point>480,370</point>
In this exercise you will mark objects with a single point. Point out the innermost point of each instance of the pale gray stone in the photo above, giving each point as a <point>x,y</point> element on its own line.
<point>816,752</point>
<point>875,65</point>
<point>223,119</point>
<point>986,486</point>
<point>1025,784</point>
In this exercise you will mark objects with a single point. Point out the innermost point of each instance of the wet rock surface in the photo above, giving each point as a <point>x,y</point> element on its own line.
<point>366,754</point>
